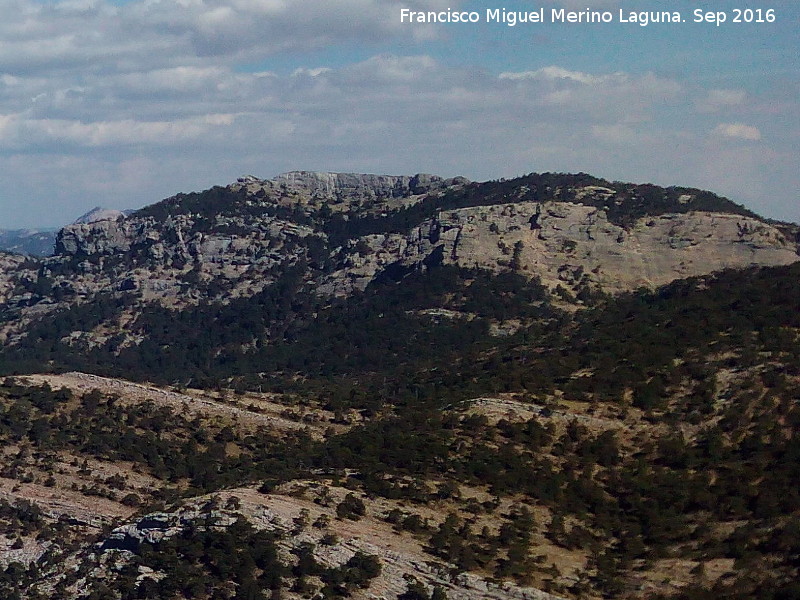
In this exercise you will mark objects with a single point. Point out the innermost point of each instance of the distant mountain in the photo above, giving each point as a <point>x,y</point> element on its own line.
<point>36,242</point>
<point>251,263</point>
<point>99,213</point>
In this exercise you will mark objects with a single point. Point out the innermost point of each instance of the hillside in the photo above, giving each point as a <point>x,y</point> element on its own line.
<point>592,482</point>
<point>255,264</point>
<point>333,385</point>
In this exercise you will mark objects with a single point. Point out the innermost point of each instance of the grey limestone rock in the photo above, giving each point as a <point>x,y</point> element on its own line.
<point>333,184</point>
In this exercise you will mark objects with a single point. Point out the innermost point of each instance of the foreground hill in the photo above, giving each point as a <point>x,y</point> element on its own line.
<point>644,449</point>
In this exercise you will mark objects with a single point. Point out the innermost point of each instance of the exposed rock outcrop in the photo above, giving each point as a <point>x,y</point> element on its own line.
<point>353,184</point>
<point>345,230</point>
<point>278,513</point>
<point>566,243</point>
<point>98,237</point>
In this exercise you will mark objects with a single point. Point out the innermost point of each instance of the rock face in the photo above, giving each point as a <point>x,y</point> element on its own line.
<point>101,236</point>
<point>344,230</point>
<point>354,185</point>
<point>150,529</point>
<point>568,244</point>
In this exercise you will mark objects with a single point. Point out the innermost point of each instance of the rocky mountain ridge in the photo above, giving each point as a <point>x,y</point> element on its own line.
<point>558,238</point>
<point>575,234</point>
<point>354,185</point>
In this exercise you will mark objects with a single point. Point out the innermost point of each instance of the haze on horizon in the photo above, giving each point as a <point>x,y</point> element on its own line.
<point>123,103</point>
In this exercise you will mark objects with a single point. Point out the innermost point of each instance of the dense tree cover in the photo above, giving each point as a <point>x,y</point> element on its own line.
<point>385,352</point>
<point>351,349</point>
<point>286,329</point>
<point>20,517</point>
<point>214,201</point>
<point>648,342</point>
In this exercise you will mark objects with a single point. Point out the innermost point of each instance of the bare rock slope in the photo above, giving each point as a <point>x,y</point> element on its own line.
<point>344,231</point>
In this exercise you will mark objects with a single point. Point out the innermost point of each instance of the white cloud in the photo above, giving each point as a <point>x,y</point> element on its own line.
<point>554,73</point>
<point>300,72</point>
<point>124,105</point>
<point>738,131</point>
<point>18,132</point>
<point>180,79</point>
<point>580,96</point>
<point>614,134</point>
<point>132,138</point>
<point>146,34</point>
<point>721,99</point>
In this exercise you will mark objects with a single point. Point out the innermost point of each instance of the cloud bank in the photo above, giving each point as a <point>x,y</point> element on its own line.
<point>124,105</point>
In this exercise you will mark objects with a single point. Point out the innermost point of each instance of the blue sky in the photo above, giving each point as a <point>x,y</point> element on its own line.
<point>725,53</point>
<point>123,103</point>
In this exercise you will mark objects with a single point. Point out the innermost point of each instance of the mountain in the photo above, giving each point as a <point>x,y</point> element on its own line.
<point>342,385</point>
<point>98,213</point>
<point>337,234</point>
<point>36,242</point>
<point>41,242</point>
<point>617,238</point>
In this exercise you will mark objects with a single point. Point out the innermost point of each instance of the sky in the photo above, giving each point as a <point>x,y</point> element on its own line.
<point>121,103</point>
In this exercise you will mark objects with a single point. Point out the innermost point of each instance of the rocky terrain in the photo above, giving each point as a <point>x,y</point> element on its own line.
<point>337,385</point>
<point>335,541</point>
<point>564,243</point>
<point>348,230</point>
<point>558,241</point>
<point>106,531</point>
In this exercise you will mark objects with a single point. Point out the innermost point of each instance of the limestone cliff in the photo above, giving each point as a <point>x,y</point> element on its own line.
<point>568,244</point>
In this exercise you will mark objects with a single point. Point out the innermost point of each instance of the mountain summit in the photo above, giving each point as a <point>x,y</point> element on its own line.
<point>569,230</point>
<point>99,213</point>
